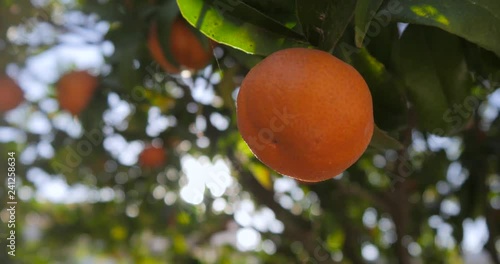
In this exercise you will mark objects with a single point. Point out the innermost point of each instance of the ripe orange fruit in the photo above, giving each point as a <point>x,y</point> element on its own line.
<point>11,95</point>
<point>305,114</point>
<point>185,47</point>
<point>75,90</point>
<point>152,157</point>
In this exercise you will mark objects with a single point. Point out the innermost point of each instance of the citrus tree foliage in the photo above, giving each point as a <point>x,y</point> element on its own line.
<point>432,168</point>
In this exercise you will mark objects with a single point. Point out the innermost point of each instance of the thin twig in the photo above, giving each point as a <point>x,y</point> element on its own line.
<point>296,227</point>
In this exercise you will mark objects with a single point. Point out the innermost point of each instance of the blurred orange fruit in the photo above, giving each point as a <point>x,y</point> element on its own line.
<point>11,95</point>
<point>184,45</point>
<point>305,114</point>
<point>152,157</point>
<point>75,90</point>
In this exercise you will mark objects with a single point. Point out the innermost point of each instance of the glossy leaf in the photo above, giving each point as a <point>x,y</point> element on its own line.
<point>389,104</point>
<point>280,10</point>
<point>381,45</point>
<point>240,26</point>
<point>383,141</point>
<point>484,64</point>
<point>436,76</point>
<point>364,13</point>
<point>324,22</point>
<point>478,21</point>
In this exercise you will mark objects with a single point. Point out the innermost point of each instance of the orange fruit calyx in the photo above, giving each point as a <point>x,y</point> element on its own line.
<point>11,95</point>
<point>305,114</point>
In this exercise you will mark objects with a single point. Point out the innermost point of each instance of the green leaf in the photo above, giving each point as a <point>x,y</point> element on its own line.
<point>434,168</point>
<point>324,22</point>
<point>262,175</point>
<point>389,104</point>
<point>475,20</point>
<point>226,87</point>
<point>364,13</point>
<point>240,26</point>
<point>484,64</point>
<point>381,45</point>
<point>167,14</point>
<point>245,59</point>
<point>127,38</point>
<point>433,67</point>
<point>280,10</point>
<point>383,141</point>
<point>180,244</point>
<point>452,69</point>
<point>336,239</point>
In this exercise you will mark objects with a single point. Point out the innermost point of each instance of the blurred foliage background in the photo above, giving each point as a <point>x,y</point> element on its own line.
<point>433,69</point>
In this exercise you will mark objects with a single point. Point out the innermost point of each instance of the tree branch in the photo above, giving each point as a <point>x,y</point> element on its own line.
<point>296,227</point>
<point>353,189</point>
<point>400,207</point>
<point>335,191</point>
